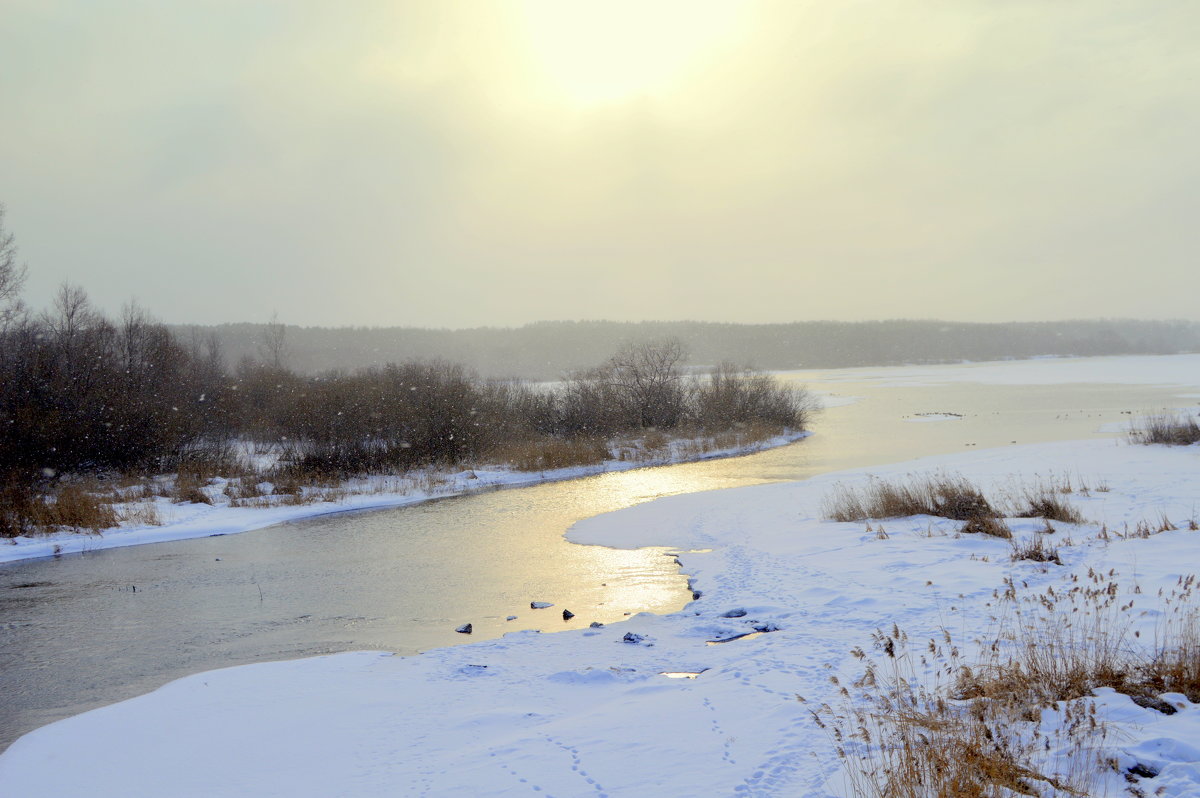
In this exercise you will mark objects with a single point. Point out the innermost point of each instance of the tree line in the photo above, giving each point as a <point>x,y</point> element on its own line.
<point>548,350</point>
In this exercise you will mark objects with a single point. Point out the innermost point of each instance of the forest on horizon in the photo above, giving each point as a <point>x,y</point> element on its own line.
<point>552,349</point>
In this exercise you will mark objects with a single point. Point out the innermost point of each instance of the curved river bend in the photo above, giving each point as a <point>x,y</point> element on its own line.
<point>82,631</point>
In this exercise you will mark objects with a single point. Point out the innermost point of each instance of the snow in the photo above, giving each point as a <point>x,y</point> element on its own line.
<point>193,520</point>
<point>590,712</point>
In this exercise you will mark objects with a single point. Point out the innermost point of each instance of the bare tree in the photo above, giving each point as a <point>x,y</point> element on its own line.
<point>12,278</point>
<point>647,379</point>
<point>72,313</point>
<point>273,351</point>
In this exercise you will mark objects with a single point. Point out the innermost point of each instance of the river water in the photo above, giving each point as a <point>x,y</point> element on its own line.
<point>82,631</point>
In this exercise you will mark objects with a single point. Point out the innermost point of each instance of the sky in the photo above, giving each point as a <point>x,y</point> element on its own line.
<point>459,164</point>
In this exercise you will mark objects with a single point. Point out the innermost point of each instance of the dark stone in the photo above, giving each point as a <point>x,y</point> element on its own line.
<point>568,615</point>
<point>1154,702</point>
<point>465,629</point>
<point>1142,771</point>
<point>737,612</point>
<point>632,637</point>
<point>595,624</point>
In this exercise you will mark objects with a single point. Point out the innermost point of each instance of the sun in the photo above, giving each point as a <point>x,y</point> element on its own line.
<point>604,51</point>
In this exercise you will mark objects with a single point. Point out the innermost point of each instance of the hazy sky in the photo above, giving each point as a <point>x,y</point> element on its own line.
<point>463,163</point>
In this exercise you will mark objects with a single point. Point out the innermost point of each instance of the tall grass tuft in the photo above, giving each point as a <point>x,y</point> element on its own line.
<point>942,495</point>
<point>1171,430</point>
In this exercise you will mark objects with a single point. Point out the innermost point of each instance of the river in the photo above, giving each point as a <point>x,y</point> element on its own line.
<point>82,631</point>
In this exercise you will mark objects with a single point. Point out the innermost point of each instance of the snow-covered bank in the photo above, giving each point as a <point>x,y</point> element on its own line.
<point>589,713</point>
<point>181,521</point>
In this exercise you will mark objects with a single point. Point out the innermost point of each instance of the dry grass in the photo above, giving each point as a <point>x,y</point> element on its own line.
<point>1045,498</point>
<point>1035,549</point>
<point>907,740</point>
<point>979,730</point>
<point>1172,430</point>
<point>984,525</point>
<point>942,495</point>
<point>24,511</point>
<point>142,513</point>
<point>74,507</point>
<point>1040,503</point>
<point>550,453</point>
<point>953,497</point>
<point>189,488</point>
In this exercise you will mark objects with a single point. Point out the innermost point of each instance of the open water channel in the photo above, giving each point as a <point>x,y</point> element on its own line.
<point>81,631</point>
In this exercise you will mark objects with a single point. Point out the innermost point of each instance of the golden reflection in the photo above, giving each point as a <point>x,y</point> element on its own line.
<point>627,488</point>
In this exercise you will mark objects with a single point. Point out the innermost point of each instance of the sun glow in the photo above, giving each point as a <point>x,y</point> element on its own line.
<point>603,51</point>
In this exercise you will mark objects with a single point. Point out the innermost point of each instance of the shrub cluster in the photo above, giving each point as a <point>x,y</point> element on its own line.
<point>408,415</point>
<point>79,392</point>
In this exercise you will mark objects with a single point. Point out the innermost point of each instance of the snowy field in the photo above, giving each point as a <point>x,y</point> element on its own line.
<point>181,521</point>
<point>589,712</point>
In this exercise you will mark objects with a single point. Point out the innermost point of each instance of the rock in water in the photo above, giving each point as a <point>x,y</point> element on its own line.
<point>465,629</point>
<point>632,637</point>
<point>568,615</point>
<point>738,612</point>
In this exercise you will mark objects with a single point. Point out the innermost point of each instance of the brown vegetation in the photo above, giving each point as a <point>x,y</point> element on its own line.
<point>954,497</point>
<point>942,495</point>
<point>550,453</point>
<point>1172,430</point>
<point>976,731</point>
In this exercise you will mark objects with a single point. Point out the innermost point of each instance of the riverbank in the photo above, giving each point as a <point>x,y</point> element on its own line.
<point>589,712</point>
<point>223,515</point>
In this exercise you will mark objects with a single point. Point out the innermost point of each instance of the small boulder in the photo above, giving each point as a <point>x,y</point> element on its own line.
<point>595,625</point>
<point>539,605</point>
<point>568,615</point>
<point>736,612</point>
<point>511,618</point>
<point>465,629</point>
<point>632,637</point>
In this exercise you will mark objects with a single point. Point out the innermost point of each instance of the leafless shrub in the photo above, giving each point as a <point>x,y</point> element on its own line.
<point>731,396</point>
